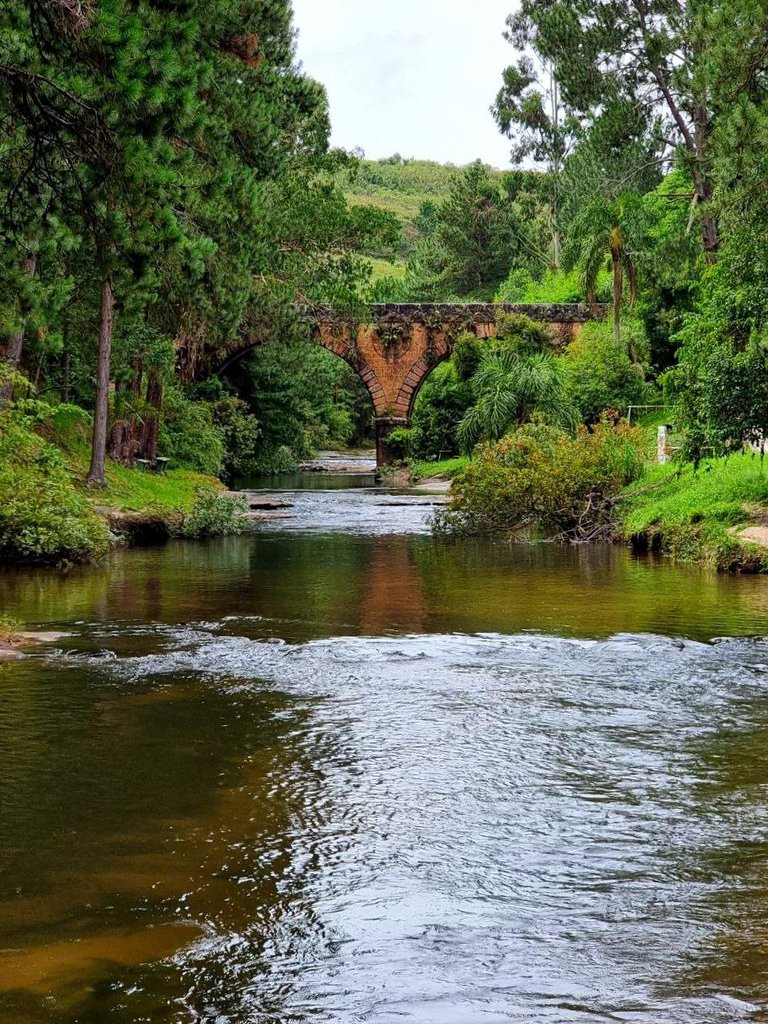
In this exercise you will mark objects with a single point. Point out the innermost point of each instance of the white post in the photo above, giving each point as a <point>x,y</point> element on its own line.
<point>662,444</point>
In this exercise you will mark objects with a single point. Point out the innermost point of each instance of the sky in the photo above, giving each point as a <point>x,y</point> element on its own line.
<point>414,77</point>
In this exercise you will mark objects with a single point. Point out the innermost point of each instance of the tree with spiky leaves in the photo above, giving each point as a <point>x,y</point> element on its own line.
<point>509,388</point>
<point>610,229</point>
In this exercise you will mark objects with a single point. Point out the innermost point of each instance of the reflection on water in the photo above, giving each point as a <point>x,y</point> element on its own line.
<point>308,481</point>
<point>337,777</point>
<point>305,585</point>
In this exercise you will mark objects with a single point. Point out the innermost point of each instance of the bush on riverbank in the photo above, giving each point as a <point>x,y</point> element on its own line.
<point>43,516</point>
<point>696,515</point>
<point>545,480</point>
<point>214,515</point>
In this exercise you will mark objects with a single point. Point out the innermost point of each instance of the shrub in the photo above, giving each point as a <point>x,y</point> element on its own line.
<point>400,442</point>
<point>542,478</point>
<point>188,435</point>
<point>271,461</point>
<point>240,432</point>
<point>552,288</point>
<point>214,514</point>
<point>43,518</point>
<point>518,283</point>
<point>599,375</point>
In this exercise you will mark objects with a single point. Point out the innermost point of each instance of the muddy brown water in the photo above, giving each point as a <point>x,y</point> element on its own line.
<point>343,771</point>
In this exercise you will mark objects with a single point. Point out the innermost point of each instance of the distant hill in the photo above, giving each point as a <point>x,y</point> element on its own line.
<point>400,186</point>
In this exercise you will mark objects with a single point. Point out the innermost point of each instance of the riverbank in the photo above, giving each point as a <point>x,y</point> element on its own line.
<point>715,515</point>
<point>601,486</point>
<point>48,515</point>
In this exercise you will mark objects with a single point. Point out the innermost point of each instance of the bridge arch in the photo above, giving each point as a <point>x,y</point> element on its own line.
<point>394,348</point>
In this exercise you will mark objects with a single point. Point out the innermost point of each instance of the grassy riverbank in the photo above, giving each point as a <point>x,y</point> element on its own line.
<point>602,485</point>
<point>446,468</point>
<point>714,515</point>
<point>48,514</point>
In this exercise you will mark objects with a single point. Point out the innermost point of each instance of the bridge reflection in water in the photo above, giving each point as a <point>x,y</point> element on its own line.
<point>300,586</point>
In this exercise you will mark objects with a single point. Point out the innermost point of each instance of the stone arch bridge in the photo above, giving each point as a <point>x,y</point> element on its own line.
<point>397,346</point>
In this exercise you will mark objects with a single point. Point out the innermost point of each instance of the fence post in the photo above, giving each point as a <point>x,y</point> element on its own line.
<point>662,443</point>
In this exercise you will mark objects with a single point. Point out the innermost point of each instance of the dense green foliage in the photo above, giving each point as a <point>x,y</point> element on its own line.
<point>168,197</point>
<point>179,153</point>
<point>650,122</point>
<point>46,514</point>
<point>544,479</point>
<point>303,399</point>
<point>214,515</point>
<point>489,387</point>
<point>599,374</point>
<point>43,517</point>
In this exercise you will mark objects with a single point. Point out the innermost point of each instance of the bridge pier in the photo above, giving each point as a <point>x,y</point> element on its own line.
<point>384,426</point>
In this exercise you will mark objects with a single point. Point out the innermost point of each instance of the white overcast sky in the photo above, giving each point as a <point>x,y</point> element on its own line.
<point>414,77</point>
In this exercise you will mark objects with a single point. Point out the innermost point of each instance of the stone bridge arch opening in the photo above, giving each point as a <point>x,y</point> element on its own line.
<point>398,347</point>
<point>394,348</point>
<point>362,407</point>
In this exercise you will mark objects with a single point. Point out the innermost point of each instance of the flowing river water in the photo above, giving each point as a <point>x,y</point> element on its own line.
<point>340,770</point>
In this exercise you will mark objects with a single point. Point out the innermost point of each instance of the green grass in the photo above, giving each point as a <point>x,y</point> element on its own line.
<point>447,468</point>
<point>405,206</point>
<point>134,490</point>
<point>695,516</point>
<point>384,270</point>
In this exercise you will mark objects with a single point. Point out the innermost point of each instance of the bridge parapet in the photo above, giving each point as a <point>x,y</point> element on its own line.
<point>464,313</point>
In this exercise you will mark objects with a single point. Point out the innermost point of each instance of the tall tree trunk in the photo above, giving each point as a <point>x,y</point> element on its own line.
<point>101,411</point>
<point>149,430</point>
<point>16,342</point>
<point>702,130</point>
<point>618,294</point>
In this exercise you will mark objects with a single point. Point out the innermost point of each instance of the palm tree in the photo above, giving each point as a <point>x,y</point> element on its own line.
<point>612,228</point>
<point>509,388</point>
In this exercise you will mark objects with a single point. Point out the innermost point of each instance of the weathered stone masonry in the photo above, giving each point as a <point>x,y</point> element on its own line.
<point>397,348</point>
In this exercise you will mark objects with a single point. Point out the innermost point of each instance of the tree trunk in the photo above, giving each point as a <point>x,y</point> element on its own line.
<point>16,343</point>
<point>66,367</point>
<point>709,227</point>
<point>149,430</point>
<point>618,294</point>
<point>101,411</point>
<point>124,436</point>
<point>702,181</point>
<point>556,246</point>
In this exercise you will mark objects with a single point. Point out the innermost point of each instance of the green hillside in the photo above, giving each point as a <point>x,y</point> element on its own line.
<point>402,187</point>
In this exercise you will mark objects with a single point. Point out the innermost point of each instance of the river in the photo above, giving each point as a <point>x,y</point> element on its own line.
<point>342,771</point>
